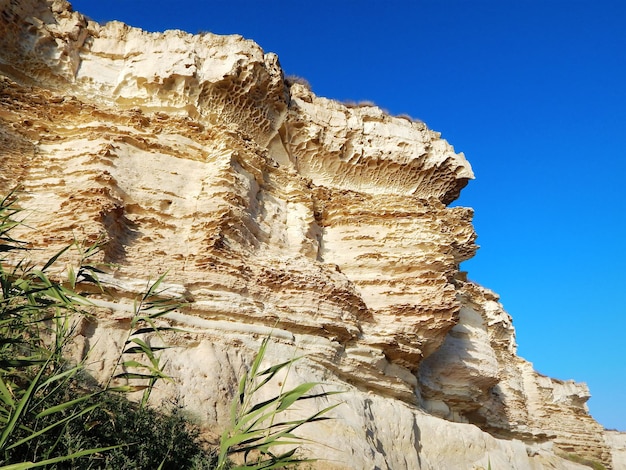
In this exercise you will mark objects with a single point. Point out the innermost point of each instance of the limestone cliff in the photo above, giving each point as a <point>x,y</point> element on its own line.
<point>270,207</point>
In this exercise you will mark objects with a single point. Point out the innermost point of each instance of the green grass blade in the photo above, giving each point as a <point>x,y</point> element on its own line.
<point>133,363</point>
<point>54,259</point>
<point>20,363</point>
<point>270,372</point>
<point>21,407</point>
<point>75,455</point>
<point>256,363</point>
<point>290,397</point>
<point>59,376</point>
<point>71,277</point>
<point>254,427</point>
<point>162,306</point>
<point>141,349</point>
<point>127,388</point>
<point>151,329</point>
<point>56,424</point>
<point>64,406</point>
<point>151,291</point>
<point>144,347</point>
<point>133,375</point>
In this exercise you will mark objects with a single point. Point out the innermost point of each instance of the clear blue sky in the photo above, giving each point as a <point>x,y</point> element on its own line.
<point>533,92</point>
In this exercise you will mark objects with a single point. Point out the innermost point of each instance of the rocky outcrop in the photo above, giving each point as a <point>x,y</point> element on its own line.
<point>616,441</point>
<point>272,209</point>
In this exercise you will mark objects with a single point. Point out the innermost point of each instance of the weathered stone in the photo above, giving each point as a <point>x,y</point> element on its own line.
<point>616,441</point>
<point>274,210</point>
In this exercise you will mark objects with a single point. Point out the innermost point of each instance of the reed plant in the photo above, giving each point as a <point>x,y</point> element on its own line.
<point>259,428</point>
<point>35,329</point>
<point>129,366</point>
<point>51,414</point>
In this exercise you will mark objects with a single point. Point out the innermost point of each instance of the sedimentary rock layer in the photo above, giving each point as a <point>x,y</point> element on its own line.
<point>270,207</point>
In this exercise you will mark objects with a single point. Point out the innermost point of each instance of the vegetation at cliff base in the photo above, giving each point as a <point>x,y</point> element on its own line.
<point>54,415</point>
<point>51,414</point>
<point>258,428</point>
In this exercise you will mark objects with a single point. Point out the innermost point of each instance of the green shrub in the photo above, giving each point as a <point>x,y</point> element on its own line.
<point>138,437</point>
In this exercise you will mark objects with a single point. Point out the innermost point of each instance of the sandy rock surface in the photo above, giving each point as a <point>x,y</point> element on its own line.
<point>276,210</point>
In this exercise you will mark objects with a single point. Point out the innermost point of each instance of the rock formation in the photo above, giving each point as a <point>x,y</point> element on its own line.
<point>272,209</point>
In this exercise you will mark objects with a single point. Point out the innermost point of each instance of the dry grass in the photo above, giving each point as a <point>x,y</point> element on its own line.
<point>293,79</point>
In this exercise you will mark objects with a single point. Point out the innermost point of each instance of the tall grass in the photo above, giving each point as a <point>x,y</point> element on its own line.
<point>257,429</point>
<point>147,309</point>
<point>34,331</point>
<point>50,414</point>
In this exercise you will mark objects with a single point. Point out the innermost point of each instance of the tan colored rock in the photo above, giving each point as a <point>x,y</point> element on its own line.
<point>274,210</point>
<point>616,441</point>
<point>370,431</point>
<point>521,403</point>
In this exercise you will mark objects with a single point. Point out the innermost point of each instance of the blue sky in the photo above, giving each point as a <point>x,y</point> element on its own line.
<point>533,92</point>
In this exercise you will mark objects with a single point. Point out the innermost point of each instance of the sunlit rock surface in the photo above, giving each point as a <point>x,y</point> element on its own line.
<point>272,209</point>
<point>617,443</point>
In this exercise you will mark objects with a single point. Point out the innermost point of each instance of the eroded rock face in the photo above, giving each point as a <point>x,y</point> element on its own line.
<point>617,443</point>
<point>274,209</point>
